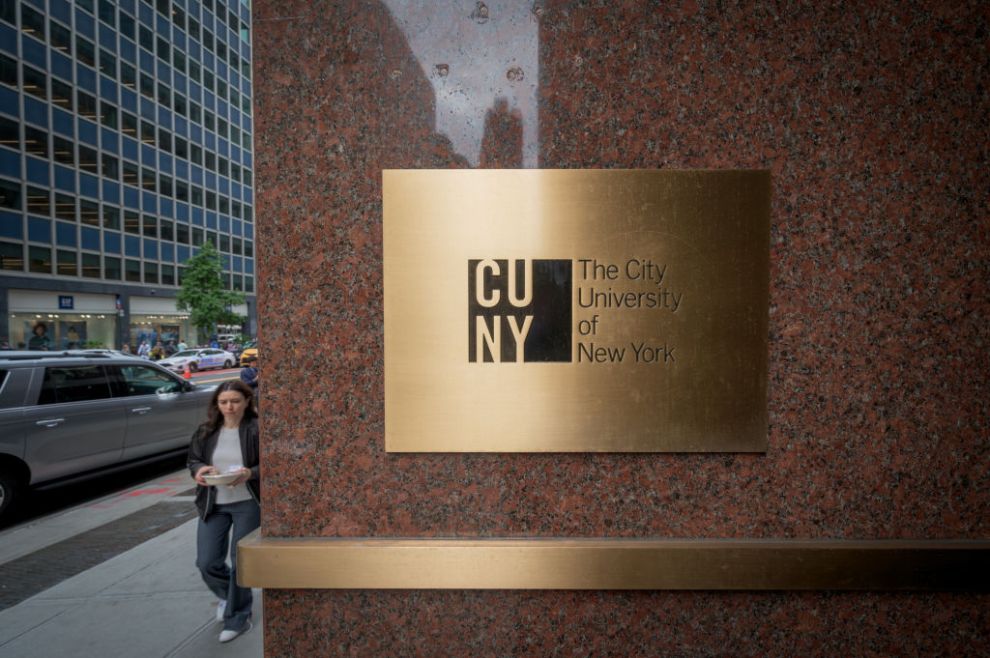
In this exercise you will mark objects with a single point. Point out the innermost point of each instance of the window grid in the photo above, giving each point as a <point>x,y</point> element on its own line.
<point>203,173</point>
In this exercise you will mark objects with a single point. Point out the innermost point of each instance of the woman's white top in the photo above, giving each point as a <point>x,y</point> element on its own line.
<point>227,457</point>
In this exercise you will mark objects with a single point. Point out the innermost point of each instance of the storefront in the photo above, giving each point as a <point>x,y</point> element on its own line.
<point>156,319</point>
<point>50,320</point>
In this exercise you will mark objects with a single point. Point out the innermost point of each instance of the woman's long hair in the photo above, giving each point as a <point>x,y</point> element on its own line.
<point>214,419</point>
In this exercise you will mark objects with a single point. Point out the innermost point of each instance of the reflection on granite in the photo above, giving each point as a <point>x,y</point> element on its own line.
<point>874,122</point>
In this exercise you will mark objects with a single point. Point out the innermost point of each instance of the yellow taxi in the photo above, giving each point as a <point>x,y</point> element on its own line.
<point>250,349</point>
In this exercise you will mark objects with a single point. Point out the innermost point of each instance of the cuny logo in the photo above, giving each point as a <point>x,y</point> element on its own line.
<point>519,310</point>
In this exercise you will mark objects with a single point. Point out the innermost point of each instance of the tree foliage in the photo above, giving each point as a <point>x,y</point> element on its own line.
<point>203,293</point>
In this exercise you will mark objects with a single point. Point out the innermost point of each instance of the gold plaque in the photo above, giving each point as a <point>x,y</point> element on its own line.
<point>576,310</point>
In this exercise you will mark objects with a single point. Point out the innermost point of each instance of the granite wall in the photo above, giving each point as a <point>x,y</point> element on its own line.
<point>872,117</point>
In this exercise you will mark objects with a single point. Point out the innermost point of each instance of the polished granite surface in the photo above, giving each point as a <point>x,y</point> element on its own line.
<point>873,120</point>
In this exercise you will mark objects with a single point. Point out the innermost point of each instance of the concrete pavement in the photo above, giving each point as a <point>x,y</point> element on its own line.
<point>145,601</point>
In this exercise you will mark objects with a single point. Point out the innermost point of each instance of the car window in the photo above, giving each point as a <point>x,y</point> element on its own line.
<point>74,384</point>
<point>185,353</point>
<point>213,352</point>
<point>142,380</point>
<point>3,378</point>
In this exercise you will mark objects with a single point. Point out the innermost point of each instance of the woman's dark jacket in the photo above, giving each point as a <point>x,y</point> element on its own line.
<point>204,443</point>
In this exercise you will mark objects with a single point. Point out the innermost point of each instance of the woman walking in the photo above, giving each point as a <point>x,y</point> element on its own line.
<point>227,443</point>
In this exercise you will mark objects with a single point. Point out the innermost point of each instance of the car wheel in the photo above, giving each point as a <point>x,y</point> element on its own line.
<point>228,364</point>
<point>10,491</point>
<point>193,367</point>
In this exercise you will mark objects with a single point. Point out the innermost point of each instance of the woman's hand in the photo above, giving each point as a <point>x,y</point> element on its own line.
<point>204,470</point>
<point>243,476</point>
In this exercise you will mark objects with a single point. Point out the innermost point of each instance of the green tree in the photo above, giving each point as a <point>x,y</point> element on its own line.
<point>203,293</point>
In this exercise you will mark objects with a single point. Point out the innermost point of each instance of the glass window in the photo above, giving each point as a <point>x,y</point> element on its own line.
<point>147,86</point>
<point>146,38</point>
<point>36,142</point>
<point>132,270</point>
<point>65,207</point>
<point>182,233</point>
<point>87,105</point>
<point>147,179</point>
<point>224,242</point>
<point>85,51</point>
<point>111,167</point>
<point>164,185</point>
<point>129,124</point>
<point>143,380</point>
<point>89,212</point>
<point>62,94</point>
<point>197,237</point>
<point>40,259</point>
<point>180,105</point>
<point>164,140</point>
<point>147,133</point>
<point>38,201</point>
<point>8,70</point>
<point>11,256</point>
<point>164,95</point>
<point>61,37</point>
<point>181,191</point>
<point>10,134</point>
<point>32,22</point>
<point>91,265</point>
<point>150,272</point>
<point>111,217</point>
<point>108,64</point>
<point>128,76</point>
<point>248,248</point>
<point>132,222</point>
<point>150,226</point>
<point>63,151</point>
<point>8,11</point>
<point>195,113</point>
<point>164,53</point>
<point>168,275</point>
<point>107,13</point>
<point>10,194</point>
<point>127,25</point>
<point>111,268</point>
<point>74,384</point>
<point>35,83</point>
<point>66,263</point>
<point>131,173</point>
<point>88,160</point>
<point>108,115</point>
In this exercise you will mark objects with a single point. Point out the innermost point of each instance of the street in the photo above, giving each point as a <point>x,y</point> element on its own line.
<point>107,567</point>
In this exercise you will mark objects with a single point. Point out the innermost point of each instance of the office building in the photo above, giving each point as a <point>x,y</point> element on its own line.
<point>125,144</point>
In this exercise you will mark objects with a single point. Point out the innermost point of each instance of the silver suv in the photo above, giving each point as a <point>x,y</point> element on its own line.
<point>66,416</point>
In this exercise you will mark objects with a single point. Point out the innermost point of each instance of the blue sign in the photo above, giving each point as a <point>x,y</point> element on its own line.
<point>65,302</point>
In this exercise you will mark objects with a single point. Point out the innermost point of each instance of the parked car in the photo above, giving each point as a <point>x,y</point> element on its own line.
<point>67,416</point>
<point>200,359</point>
<point>250,348</point>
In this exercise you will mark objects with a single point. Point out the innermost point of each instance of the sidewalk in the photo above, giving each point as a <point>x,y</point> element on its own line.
<point>146,601</point>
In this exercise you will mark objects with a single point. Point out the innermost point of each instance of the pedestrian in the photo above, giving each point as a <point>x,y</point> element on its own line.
<point>227,443</point>
<point>182,345</point>
<point>144,350</point>
<point>125,348</point>
<point>157,352</point>
<point>249,375</point>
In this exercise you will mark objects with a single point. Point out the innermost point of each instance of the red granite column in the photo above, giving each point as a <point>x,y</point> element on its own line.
<point>873,119</point>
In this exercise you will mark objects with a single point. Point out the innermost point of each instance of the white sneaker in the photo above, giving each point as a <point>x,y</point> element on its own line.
<point>227,636</point>
<point>221,606</point>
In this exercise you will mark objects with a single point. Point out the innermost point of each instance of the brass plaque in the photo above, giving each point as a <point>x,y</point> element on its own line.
<point>576,310</point>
